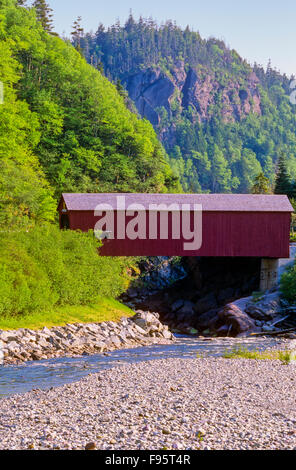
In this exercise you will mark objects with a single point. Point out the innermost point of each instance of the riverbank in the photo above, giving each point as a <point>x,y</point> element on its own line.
<point>210,403</point>
<point>24,344</point>
<point>106,309</point>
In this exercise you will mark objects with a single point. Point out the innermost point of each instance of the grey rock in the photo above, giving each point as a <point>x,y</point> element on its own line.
<point>268,328</point>
<point>13,346</point>
<point>177,305</point>
<point>207,320</point>
<point>8,336</point>
<point>167,334</point>
<point>266,308</point>
<point>84,338</point>
<point>141,322</point>
<point>240,322</point>
<point>205,304</point>
<point>115,340</point>
<point>187,308</point>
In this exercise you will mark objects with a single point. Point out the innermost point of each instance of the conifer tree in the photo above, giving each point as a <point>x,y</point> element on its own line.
<point>283,183</point>
<point>261,185</point>
<point>21,3</point>
<point>77,33</point>
<point>44,14</point>
<point>121,90</point>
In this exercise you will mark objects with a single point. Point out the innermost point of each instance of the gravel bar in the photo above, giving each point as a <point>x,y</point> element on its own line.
<point>208,403</point>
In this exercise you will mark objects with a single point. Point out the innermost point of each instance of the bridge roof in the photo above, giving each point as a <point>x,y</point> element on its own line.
<point>209,202</point>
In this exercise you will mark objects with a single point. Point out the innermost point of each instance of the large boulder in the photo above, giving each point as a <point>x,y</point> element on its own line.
<point>207,320</point>
<point>177,305</point>
<point>239,321</point>
<point>205,304</point>
<point>145,319</point>
<point>266,308</point>
<point>187,309</point>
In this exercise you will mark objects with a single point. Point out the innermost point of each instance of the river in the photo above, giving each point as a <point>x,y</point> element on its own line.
<point>18,379</point>
<point>49,373</point>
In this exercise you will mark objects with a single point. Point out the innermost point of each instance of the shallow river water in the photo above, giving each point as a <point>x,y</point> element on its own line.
<point>54,372</point>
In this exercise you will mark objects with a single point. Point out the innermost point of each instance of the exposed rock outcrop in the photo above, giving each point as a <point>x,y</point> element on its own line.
<point>153,88</point>
<point>150,90</point>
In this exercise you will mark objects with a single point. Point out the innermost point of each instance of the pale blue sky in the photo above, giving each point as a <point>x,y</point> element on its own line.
<point>257,29</point>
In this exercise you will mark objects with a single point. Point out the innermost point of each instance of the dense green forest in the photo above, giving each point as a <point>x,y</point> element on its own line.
<point>245,125</point>
<point>63,127</point>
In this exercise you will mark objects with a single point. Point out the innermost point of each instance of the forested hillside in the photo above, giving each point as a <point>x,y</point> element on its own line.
<point>63,127</point>
<point>222,121</point>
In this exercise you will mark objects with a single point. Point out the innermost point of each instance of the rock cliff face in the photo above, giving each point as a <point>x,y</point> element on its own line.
<point>149,90</point>
<point>153,89</point>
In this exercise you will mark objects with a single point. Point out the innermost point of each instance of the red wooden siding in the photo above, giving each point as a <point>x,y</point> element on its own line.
<point>225,233</point>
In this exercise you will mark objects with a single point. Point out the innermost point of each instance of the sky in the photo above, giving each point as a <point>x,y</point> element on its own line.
<point>259,30</point>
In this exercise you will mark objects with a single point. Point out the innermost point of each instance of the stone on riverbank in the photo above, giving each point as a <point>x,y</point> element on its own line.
<point>70,340</point>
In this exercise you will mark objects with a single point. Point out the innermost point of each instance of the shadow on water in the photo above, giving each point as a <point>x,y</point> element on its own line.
<point>55,372</point>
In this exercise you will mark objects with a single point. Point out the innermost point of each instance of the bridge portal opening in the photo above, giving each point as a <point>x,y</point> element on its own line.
<point>228,278</point>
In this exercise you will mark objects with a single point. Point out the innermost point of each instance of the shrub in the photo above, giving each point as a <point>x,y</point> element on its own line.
<point>46,267</point>
<point>24,286</point>
<point>288,284</point>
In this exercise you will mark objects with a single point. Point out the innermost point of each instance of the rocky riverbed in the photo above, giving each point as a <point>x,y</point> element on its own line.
<point>214,297</point>
<point>261,313</point>
<point>210,403</point>
<point>83,338</point>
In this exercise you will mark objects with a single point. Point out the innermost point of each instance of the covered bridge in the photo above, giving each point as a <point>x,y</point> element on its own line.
<point>208,225</point>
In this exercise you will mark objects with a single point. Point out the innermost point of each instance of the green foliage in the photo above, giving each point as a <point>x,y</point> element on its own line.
<point>240,352</point>
<point>64,127</point>
<point>288,284</point>
<point>139,44</point>
<point>44,14</point>
<point>25,196</point>
<point>24,286</point>
<point>261,185</point>
<point>45,267</point>
<point>89,140</point>
<point>283,183</point>
<point>77,32</point>
<point>105,310</point>
<point>238,147</point>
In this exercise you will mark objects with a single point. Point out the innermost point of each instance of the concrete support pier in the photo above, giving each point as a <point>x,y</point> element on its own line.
<point>269,273</point>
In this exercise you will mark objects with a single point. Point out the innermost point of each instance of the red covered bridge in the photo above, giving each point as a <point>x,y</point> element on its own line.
<point>228,225</point>
<point>207,225</point>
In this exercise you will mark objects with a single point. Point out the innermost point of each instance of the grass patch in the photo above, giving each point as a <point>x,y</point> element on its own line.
<point>240,352</point>
<point>105,310</point>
